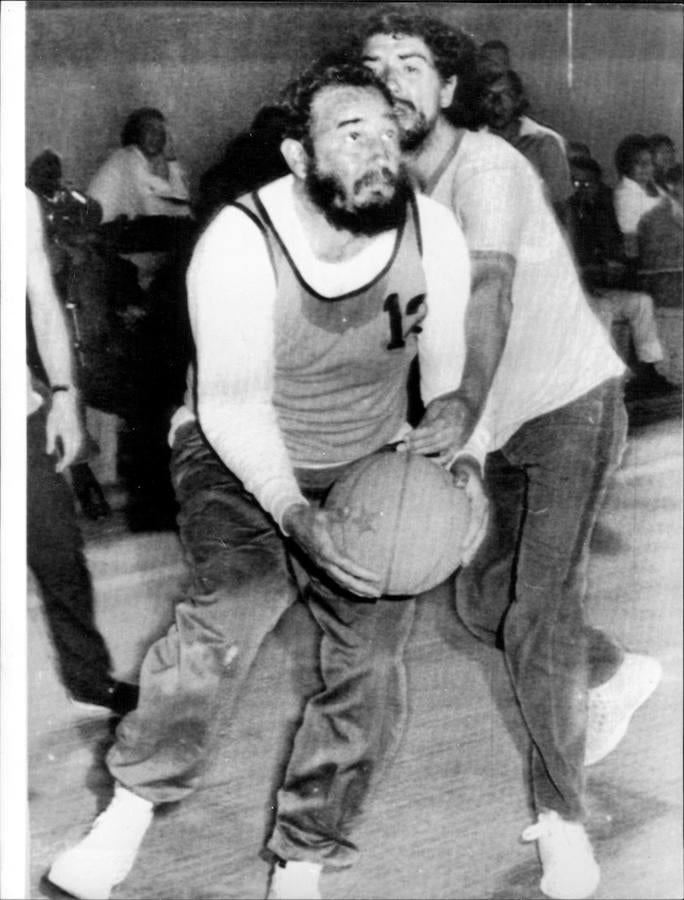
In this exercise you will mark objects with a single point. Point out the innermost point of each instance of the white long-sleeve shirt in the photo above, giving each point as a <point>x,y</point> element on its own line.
<point>232,296</point>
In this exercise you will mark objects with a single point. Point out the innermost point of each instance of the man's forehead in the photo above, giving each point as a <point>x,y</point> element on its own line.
<point>396,44</point>
<point>335,104</point>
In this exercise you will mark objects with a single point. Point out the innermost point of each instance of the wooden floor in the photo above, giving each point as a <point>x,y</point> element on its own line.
<point>446,821</point>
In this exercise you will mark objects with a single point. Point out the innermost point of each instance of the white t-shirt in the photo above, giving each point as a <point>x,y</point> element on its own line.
<point>556,349</point>
<point>631,202</point>
<point>232,303</point>
<point>124,185</point>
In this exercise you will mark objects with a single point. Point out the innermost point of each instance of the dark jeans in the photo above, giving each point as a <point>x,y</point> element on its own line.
<point>55,556</point>
<point>524,591</point>
<point>243,582</point>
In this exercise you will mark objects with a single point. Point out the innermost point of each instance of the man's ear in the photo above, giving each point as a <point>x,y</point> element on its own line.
<point>447,91</point>
<point>295,156</point>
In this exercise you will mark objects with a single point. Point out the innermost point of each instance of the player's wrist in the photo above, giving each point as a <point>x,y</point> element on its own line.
<point>292,515</point>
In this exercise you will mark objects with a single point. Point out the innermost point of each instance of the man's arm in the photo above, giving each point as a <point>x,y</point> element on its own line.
<point>52,338</point>
<point>488,318</point>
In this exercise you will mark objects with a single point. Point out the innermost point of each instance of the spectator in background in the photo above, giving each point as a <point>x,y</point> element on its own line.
<point>663,155</point>
<point>147,216</point>
<point>503,104</point>
<point>636,192</point>
<point>495,57</point>
<point>660,268</point>
<point>597,242</point>
<point>142,178</point>
<point>54,543</point>
<point>250,160</point>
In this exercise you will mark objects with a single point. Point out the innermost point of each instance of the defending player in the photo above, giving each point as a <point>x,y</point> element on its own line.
<point>545,387</point>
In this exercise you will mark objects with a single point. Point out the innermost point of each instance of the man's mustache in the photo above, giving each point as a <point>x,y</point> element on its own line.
<point>406,104</point>
<point>375,177</point>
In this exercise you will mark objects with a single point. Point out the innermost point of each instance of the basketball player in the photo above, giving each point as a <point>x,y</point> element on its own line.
<point>545,387</point>
<point>308,301</point>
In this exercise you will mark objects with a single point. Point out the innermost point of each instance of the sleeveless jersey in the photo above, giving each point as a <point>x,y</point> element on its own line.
<point>341,363</point>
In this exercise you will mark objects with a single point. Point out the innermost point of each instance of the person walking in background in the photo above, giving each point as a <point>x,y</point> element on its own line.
<point>543,387</point>
<point>289,288</point>
<point>55,547</point>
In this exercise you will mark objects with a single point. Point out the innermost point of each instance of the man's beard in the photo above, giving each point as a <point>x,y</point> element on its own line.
<point>371,218</point>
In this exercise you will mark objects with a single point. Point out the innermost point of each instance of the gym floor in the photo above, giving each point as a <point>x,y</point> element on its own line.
<point>446,821</point>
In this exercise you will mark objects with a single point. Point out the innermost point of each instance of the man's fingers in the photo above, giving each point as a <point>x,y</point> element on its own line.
<point>355,585</point>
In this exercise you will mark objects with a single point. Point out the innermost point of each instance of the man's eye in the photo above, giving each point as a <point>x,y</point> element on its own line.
<point>354,135</point>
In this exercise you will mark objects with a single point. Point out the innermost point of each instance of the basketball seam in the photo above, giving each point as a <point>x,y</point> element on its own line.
<point>400,506</point>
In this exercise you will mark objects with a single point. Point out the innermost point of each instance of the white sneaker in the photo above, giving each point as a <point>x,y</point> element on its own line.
<point>570,870</point>
<point>612,705</point>
<point>106,855</point>
<point>296,880</point>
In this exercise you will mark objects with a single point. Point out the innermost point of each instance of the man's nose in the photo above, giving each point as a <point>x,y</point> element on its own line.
<point>393,81</point>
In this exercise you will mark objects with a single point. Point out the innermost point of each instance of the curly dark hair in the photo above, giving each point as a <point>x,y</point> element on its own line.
<point>627,152</point>
<point>454,52</point>
<point>330,71</point>
<point>131,133</point>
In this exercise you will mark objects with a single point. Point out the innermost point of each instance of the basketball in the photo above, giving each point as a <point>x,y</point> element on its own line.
<point>401,516</point>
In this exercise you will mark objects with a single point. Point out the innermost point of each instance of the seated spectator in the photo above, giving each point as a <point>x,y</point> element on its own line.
<point>636,193</point>
<point>597,239</point>
<point>664,157</point>
<point>660,245</point>
<point>144,183</point>
<point>142,178</point>
<point>250,160</point>
<point>597,243</point>
<point>503,104</point>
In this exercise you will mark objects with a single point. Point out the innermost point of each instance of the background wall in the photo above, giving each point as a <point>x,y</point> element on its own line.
<point>209,66</point>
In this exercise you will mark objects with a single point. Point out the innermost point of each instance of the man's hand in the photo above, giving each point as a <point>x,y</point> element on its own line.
<point>468,477</point>
<point>310,528</point>
<point>444,429</point>
<point>65,434</point>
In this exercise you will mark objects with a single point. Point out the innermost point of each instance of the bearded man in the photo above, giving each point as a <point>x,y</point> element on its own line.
<point>299,373</point>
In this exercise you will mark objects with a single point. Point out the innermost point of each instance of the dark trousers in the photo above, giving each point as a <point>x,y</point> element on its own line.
<point>55,556</point>
<point>243,582</point>
<point>525,589</point>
